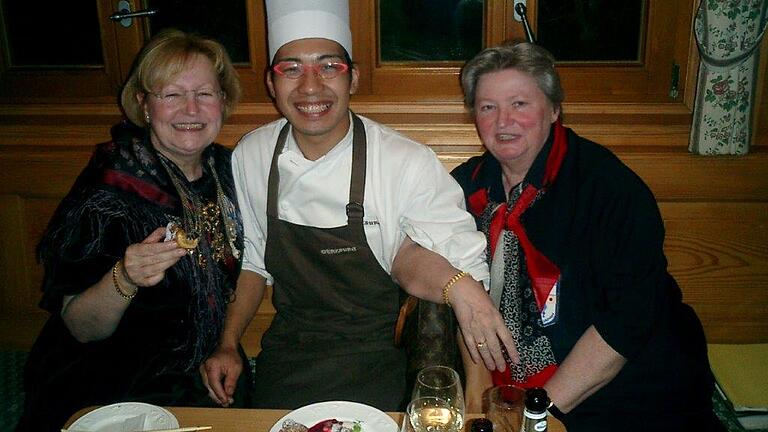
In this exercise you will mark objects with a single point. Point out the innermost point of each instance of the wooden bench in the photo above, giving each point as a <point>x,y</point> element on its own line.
<point>715,211</point>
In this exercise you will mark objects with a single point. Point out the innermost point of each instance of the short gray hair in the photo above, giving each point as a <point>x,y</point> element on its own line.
<point>525,57</point>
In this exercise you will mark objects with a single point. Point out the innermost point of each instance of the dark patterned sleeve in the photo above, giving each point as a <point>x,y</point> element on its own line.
<point>82,243</point>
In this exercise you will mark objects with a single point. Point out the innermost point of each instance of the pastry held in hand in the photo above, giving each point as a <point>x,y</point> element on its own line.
<point>174,231</point>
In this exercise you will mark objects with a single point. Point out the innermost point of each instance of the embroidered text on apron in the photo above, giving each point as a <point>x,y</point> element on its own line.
<point>332,335</point>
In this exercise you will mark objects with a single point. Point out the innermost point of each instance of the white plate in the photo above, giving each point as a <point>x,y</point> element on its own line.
<point>112,418</point>
<point>370,418</point>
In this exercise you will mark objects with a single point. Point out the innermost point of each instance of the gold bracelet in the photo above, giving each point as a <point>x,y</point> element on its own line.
<point>117,284</point>
<point>450,283</point>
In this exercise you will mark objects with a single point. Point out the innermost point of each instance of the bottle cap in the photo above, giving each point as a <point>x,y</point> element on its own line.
<point>481,425</point>
<point>536,399</point>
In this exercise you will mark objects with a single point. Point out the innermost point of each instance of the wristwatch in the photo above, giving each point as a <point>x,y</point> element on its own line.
<point>554,410</point>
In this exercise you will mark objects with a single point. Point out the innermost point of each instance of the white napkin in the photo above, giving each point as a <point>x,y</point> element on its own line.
<point>131,424</point>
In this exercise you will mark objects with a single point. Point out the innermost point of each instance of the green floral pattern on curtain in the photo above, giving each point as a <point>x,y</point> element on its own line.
<point>728,34</point>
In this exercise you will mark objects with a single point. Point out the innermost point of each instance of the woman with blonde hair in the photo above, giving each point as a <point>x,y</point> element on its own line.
<point>142,255</point>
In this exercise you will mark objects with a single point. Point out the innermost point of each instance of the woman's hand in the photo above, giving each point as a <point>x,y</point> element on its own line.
<point>424,273</point>
<point>145,263</point>
<point>484,331</point>
<point>477,381</point>
<point>95,313</point>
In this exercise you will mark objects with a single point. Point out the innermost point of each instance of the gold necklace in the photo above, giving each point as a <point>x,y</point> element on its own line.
<point>197,217</point>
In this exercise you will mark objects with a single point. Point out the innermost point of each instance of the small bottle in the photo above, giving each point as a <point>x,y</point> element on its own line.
<point>535,411</point>
<point>481,425</point>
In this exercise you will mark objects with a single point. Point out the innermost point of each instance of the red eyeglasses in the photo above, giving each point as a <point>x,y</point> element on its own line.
<point>296,70</point>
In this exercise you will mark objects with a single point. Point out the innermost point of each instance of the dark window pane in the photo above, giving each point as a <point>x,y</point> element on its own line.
<point>591,30</point>
<point>430,30</point>
<point>32,28</point>
<point>223,20</point>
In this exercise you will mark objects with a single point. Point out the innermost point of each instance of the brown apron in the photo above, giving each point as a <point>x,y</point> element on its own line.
<point>332,335</point>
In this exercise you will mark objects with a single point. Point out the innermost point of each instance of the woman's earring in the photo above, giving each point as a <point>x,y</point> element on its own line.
<point>146,117</point>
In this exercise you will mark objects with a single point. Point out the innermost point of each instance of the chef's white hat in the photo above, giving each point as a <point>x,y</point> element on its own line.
<point>289,20</point>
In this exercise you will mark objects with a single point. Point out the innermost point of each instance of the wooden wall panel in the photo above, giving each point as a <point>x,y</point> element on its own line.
<point>715,208</point>
<point>12,252</point>
<point>718,252</point>
<point>40,174</point>
<point>680,176</point>
<point>686,177</point>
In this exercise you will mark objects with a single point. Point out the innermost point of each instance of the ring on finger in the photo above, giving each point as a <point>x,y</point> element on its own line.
<point>480,344</point>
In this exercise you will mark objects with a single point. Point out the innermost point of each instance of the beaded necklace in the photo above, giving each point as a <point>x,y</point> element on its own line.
<point>198,218</point>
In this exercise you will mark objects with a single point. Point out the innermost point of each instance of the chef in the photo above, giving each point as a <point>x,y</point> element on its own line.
<point>340,213</point>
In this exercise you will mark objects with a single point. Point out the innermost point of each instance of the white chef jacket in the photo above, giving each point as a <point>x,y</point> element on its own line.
<point>407,192</point>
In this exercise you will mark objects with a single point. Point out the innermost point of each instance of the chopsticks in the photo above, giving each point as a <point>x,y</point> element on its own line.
<point>183,429</point>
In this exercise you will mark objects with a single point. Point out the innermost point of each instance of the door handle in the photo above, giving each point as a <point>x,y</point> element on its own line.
<point>125,15</point>
<point>522,12</point>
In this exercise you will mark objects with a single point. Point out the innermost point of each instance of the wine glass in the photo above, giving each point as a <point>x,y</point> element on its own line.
<point>505,407</point>
<point>431,414</point>
<point>443,383</point>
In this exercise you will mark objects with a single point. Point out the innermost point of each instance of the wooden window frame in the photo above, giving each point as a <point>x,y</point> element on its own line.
<point>643,83</point>
<point>403,93</point>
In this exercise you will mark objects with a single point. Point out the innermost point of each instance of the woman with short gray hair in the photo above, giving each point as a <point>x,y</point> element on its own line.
<point>525,57</point>
<point>575,248</point>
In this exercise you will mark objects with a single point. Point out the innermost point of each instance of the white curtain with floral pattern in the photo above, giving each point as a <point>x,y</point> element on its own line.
<point>728,34</point>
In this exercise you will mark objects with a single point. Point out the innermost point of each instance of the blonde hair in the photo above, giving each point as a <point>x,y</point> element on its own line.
<point>163,58</point>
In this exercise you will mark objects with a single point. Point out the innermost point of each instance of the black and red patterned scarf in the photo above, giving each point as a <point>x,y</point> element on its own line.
<point>525,288</point>
<point>126,181</point>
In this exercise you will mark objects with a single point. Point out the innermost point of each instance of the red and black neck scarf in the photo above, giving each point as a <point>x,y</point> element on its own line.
<point>126,181</point>
<point>524,282</point>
